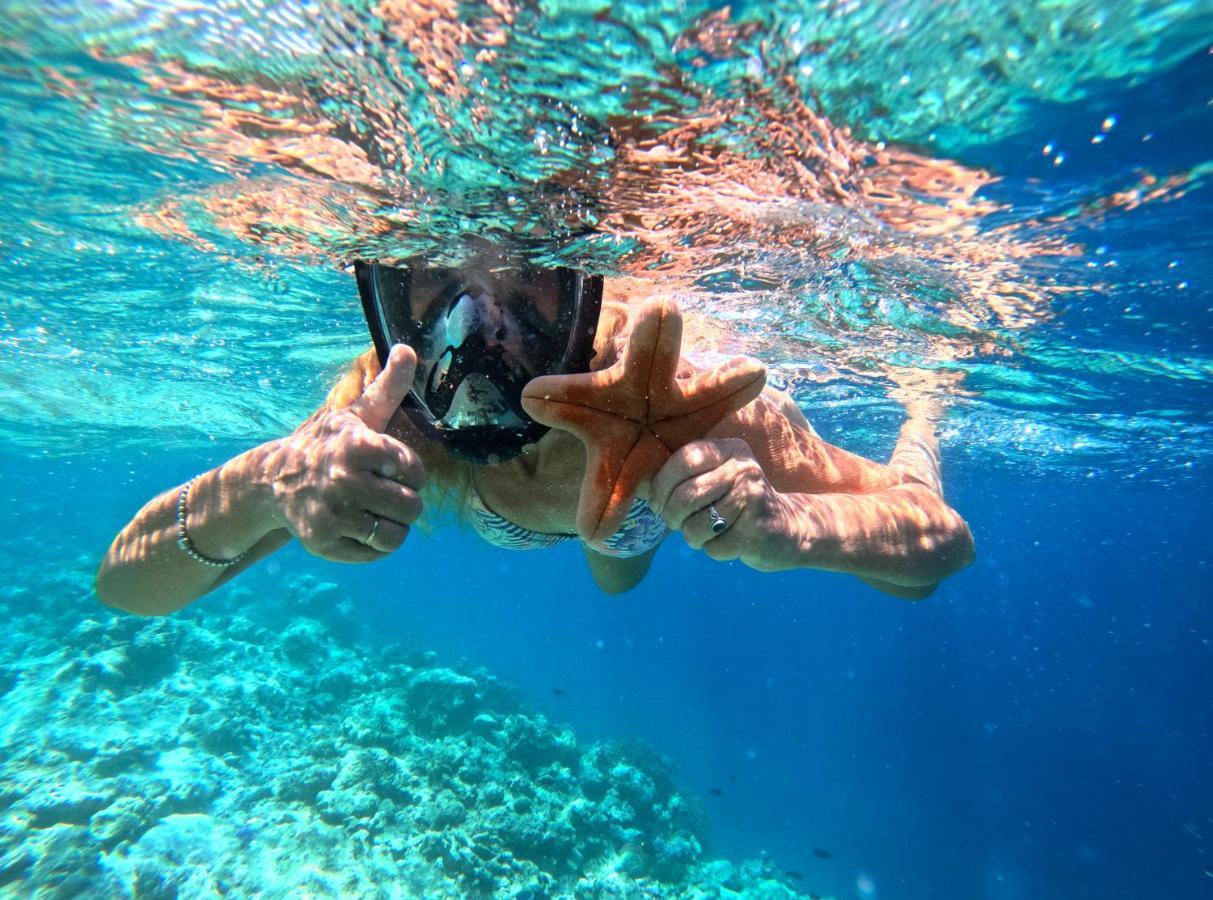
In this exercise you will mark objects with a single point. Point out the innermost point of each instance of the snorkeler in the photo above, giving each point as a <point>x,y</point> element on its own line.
<point>446,405</point>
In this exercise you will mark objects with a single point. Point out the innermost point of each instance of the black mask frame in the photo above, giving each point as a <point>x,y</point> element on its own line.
<point>385,294</point>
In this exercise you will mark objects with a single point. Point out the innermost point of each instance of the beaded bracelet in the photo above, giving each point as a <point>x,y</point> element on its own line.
<point>183,537</point>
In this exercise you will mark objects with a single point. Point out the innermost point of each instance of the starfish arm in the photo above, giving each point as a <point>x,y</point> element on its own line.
<point>570,402</point>
<point>707,398</point>
<point>611,482</point>
<point>654,350</point>
<point>634,414</point>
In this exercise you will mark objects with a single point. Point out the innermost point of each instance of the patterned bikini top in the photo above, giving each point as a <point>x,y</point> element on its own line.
<point>640,532</point>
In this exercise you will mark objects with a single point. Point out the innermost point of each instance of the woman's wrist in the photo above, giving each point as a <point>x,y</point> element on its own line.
<point>251,478</point>
<point>788,538</point>
<point>231,507</point>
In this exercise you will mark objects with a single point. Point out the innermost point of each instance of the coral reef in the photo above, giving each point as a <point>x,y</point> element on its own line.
<point>259,747</point>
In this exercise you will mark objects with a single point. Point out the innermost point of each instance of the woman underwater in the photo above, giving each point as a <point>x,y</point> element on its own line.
<point>442,418</point>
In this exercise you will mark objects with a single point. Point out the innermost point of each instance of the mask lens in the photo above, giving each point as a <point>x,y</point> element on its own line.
<point>481,333</point>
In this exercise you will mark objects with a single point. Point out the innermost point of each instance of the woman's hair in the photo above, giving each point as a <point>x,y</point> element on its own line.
<point>450,478</point>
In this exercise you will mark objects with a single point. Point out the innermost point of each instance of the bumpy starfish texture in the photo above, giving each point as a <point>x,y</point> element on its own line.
<point>632,416</point>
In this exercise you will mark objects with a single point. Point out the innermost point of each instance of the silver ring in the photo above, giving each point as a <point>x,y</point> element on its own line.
<point>374,530</point>
<point>719,522</point>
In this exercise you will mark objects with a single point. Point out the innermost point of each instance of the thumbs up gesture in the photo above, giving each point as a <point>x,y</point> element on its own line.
<point>346,489</point>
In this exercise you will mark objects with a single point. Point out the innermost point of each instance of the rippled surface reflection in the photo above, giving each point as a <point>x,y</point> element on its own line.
<point>888,203</point>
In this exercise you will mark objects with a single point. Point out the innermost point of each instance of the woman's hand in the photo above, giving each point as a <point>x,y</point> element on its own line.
<point>343,487</point>
<point>723,473</point>
<point>903,540</point>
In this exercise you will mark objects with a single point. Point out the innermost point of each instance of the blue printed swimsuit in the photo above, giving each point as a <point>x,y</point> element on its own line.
<point>641,531</point>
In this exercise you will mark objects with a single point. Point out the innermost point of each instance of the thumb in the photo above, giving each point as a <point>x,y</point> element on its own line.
<point>384,395</point>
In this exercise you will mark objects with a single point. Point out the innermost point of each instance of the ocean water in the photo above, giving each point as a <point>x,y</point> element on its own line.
<point>1002,209</point>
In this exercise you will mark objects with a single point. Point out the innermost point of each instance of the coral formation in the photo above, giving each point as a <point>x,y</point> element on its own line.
<point>254,747</point>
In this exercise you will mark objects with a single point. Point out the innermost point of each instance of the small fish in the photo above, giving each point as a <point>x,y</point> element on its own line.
<point>792,873</point>
<point>822,854</point>
<point>732,778</point>
<point>715,792</point>
<point>558,692</point>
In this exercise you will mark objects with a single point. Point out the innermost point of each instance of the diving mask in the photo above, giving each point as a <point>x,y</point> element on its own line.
<point>481,331</point>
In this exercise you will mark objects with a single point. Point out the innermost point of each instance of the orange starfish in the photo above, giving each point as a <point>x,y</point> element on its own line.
<point>632,416</point>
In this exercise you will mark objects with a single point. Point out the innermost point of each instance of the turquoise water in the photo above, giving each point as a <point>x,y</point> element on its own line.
<point>1001,209</point>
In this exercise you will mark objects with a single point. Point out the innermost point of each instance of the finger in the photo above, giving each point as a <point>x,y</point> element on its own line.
<point>725,547</point>
<point>388,536</point>
<point>694,495</point>
<point>386,499</point>
<point>329,540</point>
<point>383,455</point>
<point>369,530</point>
<point>348,550</point>
<point>693,459</point>
<point>701,530</point>
<point>385,394</point>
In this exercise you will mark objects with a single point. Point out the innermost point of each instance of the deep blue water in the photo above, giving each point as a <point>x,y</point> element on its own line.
<point>1040,727</point>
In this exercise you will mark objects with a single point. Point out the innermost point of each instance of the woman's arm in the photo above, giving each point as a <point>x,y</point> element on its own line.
<point>900,537</point>
<point>230,513</point>
<point>905,537</point>
<point>615,575</point>
<point>333,483</point>
<point>795,458</point>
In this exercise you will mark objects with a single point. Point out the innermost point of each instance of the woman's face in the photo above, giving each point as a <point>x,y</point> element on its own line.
<point>536,289</point>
